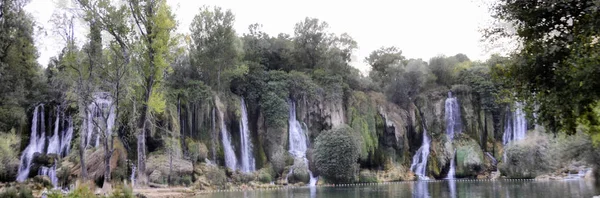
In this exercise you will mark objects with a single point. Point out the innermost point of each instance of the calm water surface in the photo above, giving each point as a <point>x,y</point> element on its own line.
<point>446,188</point>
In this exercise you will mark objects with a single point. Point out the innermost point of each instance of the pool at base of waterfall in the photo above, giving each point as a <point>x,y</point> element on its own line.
<point>432,188</point>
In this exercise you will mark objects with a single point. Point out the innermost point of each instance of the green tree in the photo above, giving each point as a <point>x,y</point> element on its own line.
<point>19,72</point>
<point>382,62</point>
<point>336,155</point>
<point>213,43</point>
<point>553,69</point>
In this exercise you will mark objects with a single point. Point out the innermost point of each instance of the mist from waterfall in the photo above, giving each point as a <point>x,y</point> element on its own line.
<point>419,160</point>
<point>452,170</point>
<point>247,157</point>
<point>515,125</point>
<point>298,141</point>
<point>230,158</point>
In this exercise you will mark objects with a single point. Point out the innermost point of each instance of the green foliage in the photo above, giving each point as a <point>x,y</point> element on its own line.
<point>278,161</point>
<point>336,154</point>
<point>366,176</point>
<point>265,175</point>
<point>216,176</point>
<point>20,82</point>
<point>559,54</point>
<point>197,150</point>
<point>124,191</point>
<point>243,178</point>
<point>528,158</point>
<point>382,61</point>
<point>9,158</point>
<point>10,192</point>
<point>213,46</point>
<point>362,113</point>
<point>445,68</point>
<point>81,191</point>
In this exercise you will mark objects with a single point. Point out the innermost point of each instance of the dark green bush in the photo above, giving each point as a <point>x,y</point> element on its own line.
<point>25,192</point>
<point>278,161</point>
<point>264,177</point>
<point>336,155</point>
<point>216,176</point>
<point>527,158</point>
<point>186,180</point>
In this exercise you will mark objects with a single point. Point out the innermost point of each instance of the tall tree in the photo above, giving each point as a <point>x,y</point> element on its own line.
<point>382,62</point>
<point>558,56</point>
<point>19,70</point>
<point>213,43</point>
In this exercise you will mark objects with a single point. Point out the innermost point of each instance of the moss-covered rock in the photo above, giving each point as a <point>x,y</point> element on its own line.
<point>299,172</point>
<point>469,157</point>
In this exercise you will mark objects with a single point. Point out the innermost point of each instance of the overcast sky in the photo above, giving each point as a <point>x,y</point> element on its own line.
<point>421,29</point>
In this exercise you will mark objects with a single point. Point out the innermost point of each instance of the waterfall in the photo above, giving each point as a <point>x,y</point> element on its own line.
<point>453,126</point>
<point>101,106</point>
<point>453,121</point>
<point>247,157</point>
<point>419,161</point>
<point>65,142</point>
<point>515,126</point>
<point>213,144</point>
<point>298,141</point>
<point>230,158</point>
<point>452,170</point>
<point>54,144</point>
<point>27,155</point>
<point>59,144</point>
<point>132,174</point>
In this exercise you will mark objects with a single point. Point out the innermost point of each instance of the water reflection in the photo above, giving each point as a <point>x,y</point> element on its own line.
<point>420,189</point>
<point>439,188</point>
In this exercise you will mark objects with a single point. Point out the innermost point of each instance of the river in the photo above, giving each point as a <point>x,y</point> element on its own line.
<point>433,188</point>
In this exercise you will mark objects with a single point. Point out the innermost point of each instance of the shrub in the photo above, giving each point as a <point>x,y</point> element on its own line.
<point>9,193</point>
<point>215,176</point>
<point>82,191</point>
<point>122,192</point>
<point>240,177</point>
<point>367,176</point>
<point>9,159</point>
<point>278,161</point>
<point>336,154</point>
<point>527,158</point>
<point>25,192</point>
<point>186,180</point>
<point>265,177</point>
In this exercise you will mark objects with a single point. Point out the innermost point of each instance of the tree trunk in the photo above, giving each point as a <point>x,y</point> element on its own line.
<point>82,156</point>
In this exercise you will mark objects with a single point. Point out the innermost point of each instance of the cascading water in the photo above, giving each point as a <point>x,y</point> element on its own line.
<point>230,158</point>
<point>515,127</point>
<point>214,137</point>
<point>27,155</point>
<point>298,141</point>
<point>452,170</point>
<point>247,157</point>
<point>419,161</point>
<point>100,107</point>
<point>453,126</point>
<point>453,121</point>
<point>65,142</point>
<point>54,144</point>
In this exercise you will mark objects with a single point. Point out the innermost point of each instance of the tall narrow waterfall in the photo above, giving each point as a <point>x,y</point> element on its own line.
<point>298,140</point>
<point>27,155</point>
<point>230,158</point>
<point>453,122</point>
<point>54,144</point>
<point>213,145</point>
<point>247,157</point>
<point>419,161</point>
<point>515,125</point>
<point>453,126</point>
<point>101,111</point>
<point>452,170</point>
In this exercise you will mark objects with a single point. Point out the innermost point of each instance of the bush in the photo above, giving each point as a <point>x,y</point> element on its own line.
<point>25,192</point>
<point>9,159</point>
<point>9,193</point>
<point>527,158</point>
<point>82,191</point>
<point>367,176</point>
<point>265,177</point>
<point>336,154</point>
<point>240,177</point>
<point>186,180</point>
<point>278,161</point>
<point>215,176</point>
<point>122,192</point>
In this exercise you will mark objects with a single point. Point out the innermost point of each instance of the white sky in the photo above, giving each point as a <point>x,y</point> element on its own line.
<point>421,29</point>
